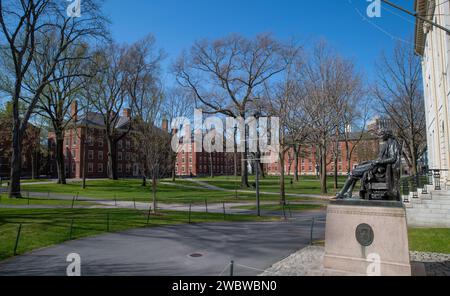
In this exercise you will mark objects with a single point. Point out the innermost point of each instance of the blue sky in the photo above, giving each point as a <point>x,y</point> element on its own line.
<point>176,24</point>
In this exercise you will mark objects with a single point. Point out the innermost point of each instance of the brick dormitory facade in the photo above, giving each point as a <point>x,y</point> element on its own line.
<point>32,158</point>
<point>88,136</point>
<point>361,147</point>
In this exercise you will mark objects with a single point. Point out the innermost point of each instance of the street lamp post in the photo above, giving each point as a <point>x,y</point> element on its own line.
<point>258,203</point>
<point>257,162</point>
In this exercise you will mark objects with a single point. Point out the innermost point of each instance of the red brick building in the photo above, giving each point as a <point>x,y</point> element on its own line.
<point>201,163</point>
<point>31,150</point>
<point>87,137</point>
<point>366,149</point>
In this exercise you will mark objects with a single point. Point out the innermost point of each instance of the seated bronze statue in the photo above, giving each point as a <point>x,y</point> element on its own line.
<point>380,179</point>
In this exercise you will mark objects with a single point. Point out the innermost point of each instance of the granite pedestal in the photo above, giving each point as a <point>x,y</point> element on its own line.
<point>367,238</point>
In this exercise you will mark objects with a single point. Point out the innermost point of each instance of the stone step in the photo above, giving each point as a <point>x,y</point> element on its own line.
<point>437,208</point>
<point>429,219</point>
<point>430,201</point>
<point>440,196</point>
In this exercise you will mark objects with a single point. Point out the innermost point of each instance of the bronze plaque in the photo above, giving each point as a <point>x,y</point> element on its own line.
<point>364,235</point>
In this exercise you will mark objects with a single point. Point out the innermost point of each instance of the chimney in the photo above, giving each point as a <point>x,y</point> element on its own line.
<point>126,113</point>
<point>165,125</point>
<point>74,110</point>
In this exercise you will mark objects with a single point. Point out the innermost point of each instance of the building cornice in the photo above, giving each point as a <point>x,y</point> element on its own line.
<point>424,8</point>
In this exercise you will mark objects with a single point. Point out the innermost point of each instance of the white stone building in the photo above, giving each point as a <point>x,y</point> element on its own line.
<point>433,45</point>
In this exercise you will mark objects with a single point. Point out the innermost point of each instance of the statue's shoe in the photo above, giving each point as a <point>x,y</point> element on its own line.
<point>338,197</point>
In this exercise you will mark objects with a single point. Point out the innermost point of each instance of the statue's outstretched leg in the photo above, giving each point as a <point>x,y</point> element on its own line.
<point>347,191</point>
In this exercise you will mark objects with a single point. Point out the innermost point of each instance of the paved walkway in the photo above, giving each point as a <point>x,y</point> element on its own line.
<point>105,203</point>
<point>182,250</point>
<point>212,187</point>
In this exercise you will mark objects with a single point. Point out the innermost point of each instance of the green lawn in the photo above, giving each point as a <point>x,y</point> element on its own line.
<point>307,184</point>
<point>297,208</point>
<point>133,189</point>
<point>46,227</point>
<point>436,240</point>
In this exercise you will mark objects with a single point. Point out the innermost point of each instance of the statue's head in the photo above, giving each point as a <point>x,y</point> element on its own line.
<point>385,134</point>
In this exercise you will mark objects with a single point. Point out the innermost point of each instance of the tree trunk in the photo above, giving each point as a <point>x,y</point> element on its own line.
<point>282,178</point>
<point>84,162</point>
<point>261,169</point>
<point>144,181</point>
<point>112,159</point>
<point>244,169</point>
<point>348,157</point>
<point>211,171</point>
<point>16,162</point>
<point>336,173</point>
<point>33,165</point>
<point>323,170</point>
<point>60,163</point>
<point>154,184</point>
<point>413,158</point>
<point>297,162</point>
<point>174,173</point>
<point>174,176</point>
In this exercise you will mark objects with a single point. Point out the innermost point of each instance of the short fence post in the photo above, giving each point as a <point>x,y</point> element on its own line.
<point>312,232</point>
<point>115,200</point>
<point>405,190</point>
<point>73,201</point>
<point>284,211</point>
<point>134,202</point>
<point>17,239</point>
<point>437,180</point>
<point>224,212</point>
<point>206,205</point>
<point>415,189</point>
<point>289,208</point>
<point>71,230</point>
<point>148,215</point>
<point>232,268</point>
<point>190,209</point>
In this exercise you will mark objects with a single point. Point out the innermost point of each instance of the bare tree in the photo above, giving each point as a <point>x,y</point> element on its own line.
<point>400,93</point>
<point>285,100</point>
<point>23,26</point>
<point>58,102</point>
<point>153,141</point>
<point>107,95</point>
<point>178,103</point>
<point>326,80</point>
<point>127,77</point>
<point>226,74</point>
<point>354,115</point>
